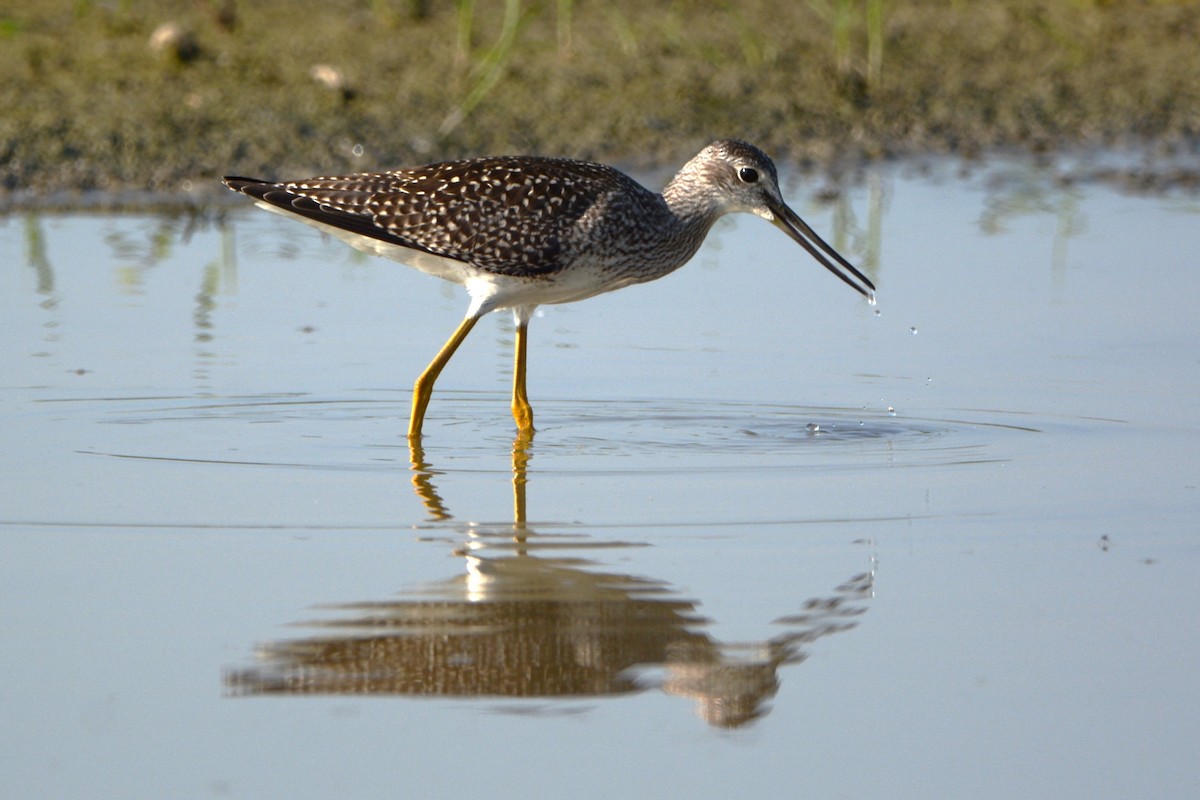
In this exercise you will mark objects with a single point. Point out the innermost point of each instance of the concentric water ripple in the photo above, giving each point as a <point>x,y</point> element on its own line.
<point>366,431</point>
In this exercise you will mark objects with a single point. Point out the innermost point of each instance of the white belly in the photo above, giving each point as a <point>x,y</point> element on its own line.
<point>488,291</point>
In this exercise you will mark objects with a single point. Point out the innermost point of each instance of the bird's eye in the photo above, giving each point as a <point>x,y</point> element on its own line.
<point>748,175</point>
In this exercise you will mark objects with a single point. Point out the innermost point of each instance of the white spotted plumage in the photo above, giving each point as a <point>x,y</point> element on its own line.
<point>520,231</point>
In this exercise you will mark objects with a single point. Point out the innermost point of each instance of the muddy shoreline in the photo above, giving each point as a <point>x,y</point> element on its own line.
<point>127,104</point>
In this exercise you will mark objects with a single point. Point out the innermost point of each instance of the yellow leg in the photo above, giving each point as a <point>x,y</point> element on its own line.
<point>423,388</point>
<point>521,410</point>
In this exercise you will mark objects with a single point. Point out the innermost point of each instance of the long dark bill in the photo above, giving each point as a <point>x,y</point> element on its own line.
<point>791,224</point>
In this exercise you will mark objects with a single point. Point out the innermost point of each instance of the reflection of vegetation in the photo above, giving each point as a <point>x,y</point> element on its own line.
<point>146,242</point>
<point>35,256</point>
<point>140,246</point>
<point>210,283</point>
<point>140,250</point>
<point>219,275</point>
<point>1029,192</point>
<point>849,236</point>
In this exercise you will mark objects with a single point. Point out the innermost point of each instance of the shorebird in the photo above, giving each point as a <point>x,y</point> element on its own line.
<point>520,231</point>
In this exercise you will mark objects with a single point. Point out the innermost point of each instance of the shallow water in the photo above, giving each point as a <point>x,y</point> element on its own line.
<point>766,541</point>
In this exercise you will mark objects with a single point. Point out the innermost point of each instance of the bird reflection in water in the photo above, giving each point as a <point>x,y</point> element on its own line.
<point>528,620</point>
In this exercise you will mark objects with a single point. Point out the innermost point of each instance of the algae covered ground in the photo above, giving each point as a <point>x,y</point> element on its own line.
<point>164,97</point>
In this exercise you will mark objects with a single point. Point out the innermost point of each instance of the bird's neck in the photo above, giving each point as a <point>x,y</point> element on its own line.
<point>693,213</point>
<point>691,202</point>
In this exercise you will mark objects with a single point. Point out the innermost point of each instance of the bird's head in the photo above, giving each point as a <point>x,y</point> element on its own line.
<point>737,176</point>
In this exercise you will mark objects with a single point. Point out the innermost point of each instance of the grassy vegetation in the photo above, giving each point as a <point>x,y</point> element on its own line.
<point>282,87</point>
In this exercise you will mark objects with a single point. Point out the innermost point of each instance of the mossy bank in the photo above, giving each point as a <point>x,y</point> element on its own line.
<point>124,96</point>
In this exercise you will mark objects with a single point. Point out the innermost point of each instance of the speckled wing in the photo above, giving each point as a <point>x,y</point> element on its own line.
<point>510,216</point>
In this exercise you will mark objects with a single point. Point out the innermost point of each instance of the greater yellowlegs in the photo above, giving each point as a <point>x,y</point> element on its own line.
<point>520,231</point>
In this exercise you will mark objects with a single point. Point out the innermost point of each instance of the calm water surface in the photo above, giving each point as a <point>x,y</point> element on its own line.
<point>768,540</point>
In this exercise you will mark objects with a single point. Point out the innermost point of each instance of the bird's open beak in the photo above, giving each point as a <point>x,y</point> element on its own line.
<point>791,224</point>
